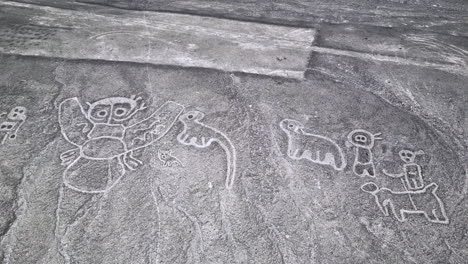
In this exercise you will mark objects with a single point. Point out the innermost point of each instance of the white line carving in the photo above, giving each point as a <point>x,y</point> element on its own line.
<point>199,135</point>
<point>412,172</point>
<point>424,201</point>
<point>101,135</point>
<point>167,159</point>
<point>363,141</point>
<point>315,148</point>
<point>16,118</point>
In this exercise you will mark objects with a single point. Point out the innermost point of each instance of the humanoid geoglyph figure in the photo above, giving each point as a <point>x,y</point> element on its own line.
<point>105,138</point>
<point>412,172</point>
<point>363,141</point>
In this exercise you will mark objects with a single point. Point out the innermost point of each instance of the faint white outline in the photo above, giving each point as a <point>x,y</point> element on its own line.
<point>363,140</point>
<point>296,135</point>
<point>167,159</point>
<point>190,136</point>
<point>16,118</point>
<point>124,158</point>
<point>384,200</point>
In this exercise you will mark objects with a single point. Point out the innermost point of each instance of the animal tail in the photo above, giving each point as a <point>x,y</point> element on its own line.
<point>340,162</point>
<point>336,158</point>
<point>228,147</point>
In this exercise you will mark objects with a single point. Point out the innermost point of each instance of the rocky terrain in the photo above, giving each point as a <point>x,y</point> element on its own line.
<point>221,132</point>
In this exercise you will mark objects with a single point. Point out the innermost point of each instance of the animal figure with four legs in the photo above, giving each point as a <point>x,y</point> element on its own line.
<point>315,148</point>
<point>400,204</point>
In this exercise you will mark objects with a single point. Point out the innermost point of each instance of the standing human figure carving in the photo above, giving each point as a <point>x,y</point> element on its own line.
<point>412,172</point>
<point>363,141</point>
<point>104,134</point>
<point>104,137</point>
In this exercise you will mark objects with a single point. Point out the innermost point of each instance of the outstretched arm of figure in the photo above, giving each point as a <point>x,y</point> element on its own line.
<point>146,124</point>
<point>153,127</point>
<point>397,175</point>
<point>73,121</point>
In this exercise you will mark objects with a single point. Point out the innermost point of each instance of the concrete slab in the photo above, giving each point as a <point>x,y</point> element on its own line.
<point>156,38</point>
<point>444,17</point>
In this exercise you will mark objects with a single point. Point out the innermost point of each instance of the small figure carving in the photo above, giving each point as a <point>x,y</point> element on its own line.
<point>103,136</point>
<point>424,201</point>
<point>16,118</point>
<point>167,159</point>
<point>412,171</point>
<point>363,141</point>
<point>199,135</point>
<point>315,148</point>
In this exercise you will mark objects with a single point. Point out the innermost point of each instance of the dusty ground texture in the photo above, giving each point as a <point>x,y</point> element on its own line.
<point>213,132</point>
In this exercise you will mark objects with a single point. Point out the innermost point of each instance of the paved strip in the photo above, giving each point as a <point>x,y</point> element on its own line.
<point>157,38</point>
<point>455,68</point>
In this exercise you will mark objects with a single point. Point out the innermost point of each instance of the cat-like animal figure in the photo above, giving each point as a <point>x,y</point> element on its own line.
<point>315,148</point>
<point>199,135</point>
<point>167,159</point>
